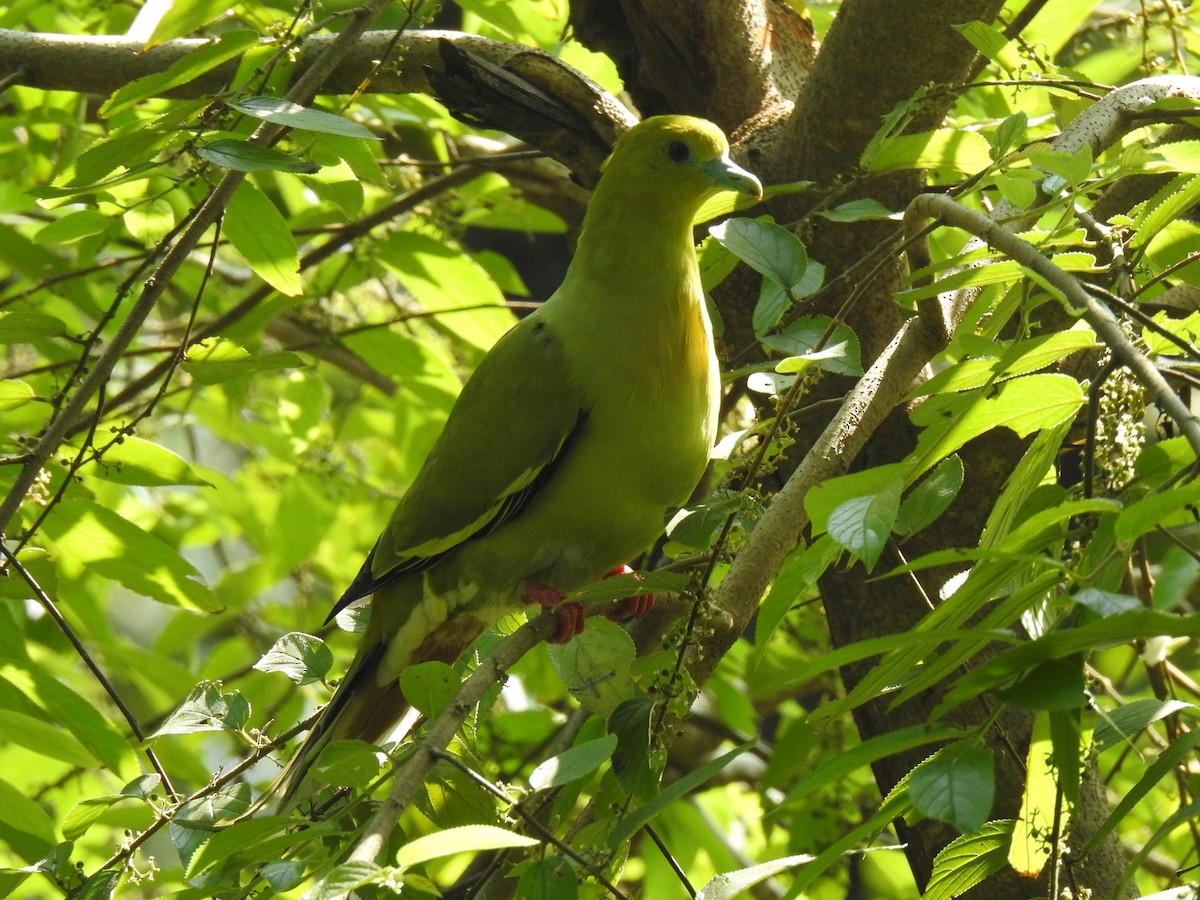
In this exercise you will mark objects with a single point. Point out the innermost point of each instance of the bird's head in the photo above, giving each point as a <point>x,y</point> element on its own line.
<point>681,160</point>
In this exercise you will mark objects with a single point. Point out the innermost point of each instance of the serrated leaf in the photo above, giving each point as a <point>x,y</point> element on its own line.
<point>242,156</point>
<point>969,859</point>
<point>464,839</point>
<point>430,686</point>
<point>301,657</point>
<point>1167,205</point>
<point>595,666</point>
<point>293,115</point>
<point>207,708</point>
<point>222,806</point>
<point>956,785</point>
<point>343,879</point>
<point>1024,405</point>
<point>260,233</point>
<point>578,762</point>
<point>100,886</point>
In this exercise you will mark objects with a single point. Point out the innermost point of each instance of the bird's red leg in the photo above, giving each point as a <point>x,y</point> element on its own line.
<point>634,607</point>
<point>570,614</point>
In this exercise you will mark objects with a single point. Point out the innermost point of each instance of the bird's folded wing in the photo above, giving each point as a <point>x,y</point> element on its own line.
<point>513,421</point>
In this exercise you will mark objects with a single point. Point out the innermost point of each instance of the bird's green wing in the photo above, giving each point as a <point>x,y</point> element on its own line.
<point>511,423</point>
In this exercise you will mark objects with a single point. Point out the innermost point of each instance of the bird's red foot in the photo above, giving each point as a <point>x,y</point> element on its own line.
<point>570,614</point>
<point>633,607</point>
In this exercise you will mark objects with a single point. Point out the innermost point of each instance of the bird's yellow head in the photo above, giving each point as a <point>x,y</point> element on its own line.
<point>681,160</point>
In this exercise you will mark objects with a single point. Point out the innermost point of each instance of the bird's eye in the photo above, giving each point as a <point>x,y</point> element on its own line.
<point>678,151</point>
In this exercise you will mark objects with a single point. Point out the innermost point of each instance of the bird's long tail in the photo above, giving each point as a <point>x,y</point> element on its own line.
<point>367,705</point>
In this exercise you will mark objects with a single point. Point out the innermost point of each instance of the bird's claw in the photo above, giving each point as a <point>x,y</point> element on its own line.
<point>634,607</point>
<point>570,614</point>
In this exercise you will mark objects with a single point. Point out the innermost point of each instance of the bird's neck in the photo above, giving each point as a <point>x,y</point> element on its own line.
<point>638,251</point>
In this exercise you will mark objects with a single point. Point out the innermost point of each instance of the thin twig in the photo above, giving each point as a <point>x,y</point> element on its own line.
<point>441,731</point>
<point>541,830</point>
<point>1100,317</point>
<point>65,627</point>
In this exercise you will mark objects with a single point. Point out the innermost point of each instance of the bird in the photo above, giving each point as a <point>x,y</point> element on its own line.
<point>580,430</point>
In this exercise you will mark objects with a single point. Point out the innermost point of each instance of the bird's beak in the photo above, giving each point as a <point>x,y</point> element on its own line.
<point>729,175</point>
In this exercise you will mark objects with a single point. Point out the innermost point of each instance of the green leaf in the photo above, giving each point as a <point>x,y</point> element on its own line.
<point>767,248</point>
<point>100,886</point>
<point>1175,753</point>
<point>595,666</point>
<point>260,233</point>
<point>1055,684</point>
<point>931,497</point>
<point>954,150</point>
<point>731,885</point>
<point>26,327</point>
<point>65,707</point>
<point>628,826</point>
<point>1024,405</point>
<point>138,461</point>
<point>969,859</point>
<point>24,825</point>
<point>293,115</point>
<point>183,70</point>
<point>14,393</point>
<point>839,354</point>
<point>836,768</point>
<point>1167,205</point>
<point>864,210</point>
<point>1164,508</point>
<point>229,841</point>
<point>301,657</point>
<point>578,762</point>
<point>345,878</point>
<point>215,360</point>
<point>35,734</point>
<point>113,547</point>
<point>430,686</point>
<point>464,839</point>
<point>864,524</point>
<point>243,156</point>
<point>207,708</point>
<point>222,806</point>
<point>956,785</point>
<point>352,764</point>
<point>74,226</point>
<point>1125,722</point>
<point>1104,602</point>
<point>1111,631</point>
<point>631,762</point>
<point>552,878</point>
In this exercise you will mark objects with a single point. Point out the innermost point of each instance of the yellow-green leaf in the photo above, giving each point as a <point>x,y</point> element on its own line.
<point>260,233</point>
